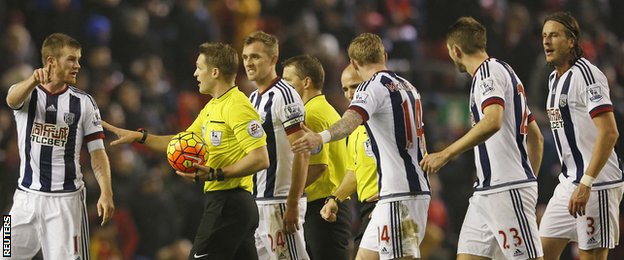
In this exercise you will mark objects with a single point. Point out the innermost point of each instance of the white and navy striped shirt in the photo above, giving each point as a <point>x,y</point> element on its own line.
<point>574,98</point>
<point>281,111</point>
<point>392,112</point>
<point>502,161</point>
<point>51,129</point>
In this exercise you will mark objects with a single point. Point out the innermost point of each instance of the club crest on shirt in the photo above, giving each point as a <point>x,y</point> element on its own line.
<point>563,100</point>
<point>487,86</point>
<point>360,98</point>
<point>293,110</point>
<point>69,118</point>
<point>215,137</point>
<point>595,93</point>
<point>255,129</point>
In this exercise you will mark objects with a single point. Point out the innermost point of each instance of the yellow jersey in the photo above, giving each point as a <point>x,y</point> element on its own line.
<point>231,127</point>
<point>318,117</point>
<point>361,160</point>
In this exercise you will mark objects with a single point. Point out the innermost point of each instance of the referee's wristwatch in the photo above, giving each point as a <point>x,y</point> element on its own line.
<point>332,197</point>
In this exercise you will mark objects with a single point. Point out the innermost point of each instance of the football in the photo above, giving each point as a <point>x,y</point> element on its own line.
<point>186,148</point>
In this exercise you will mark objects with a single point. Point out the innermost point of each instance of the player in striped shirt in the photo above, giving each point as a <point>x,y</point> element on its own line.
<point>361,167</point>
<point>324,240</point>
<point>278,189</point>
<point>390,108</point>
<point>508,147</point>
<point>585,205</point>
<point>54,120</point>
<point>236,148</point>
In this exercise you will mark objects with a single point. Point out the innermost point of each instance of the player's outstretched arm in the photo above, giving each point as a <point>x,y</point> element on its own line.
<point>341,129</point>
<point>490,124</point>
<point>20,91</point>
<point>101,170</point>
<point>535,147</point>
<point>124,136</point>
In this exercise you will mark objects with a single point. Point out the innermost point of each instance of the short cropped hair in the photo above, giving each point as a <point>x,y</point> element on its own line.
<point>367,48</point>
<point>221,56</point>
<point>270,41</point>
<point>468,34</point>
<point>54,43</point>
<point>307,66</point>
<point>573,30</point>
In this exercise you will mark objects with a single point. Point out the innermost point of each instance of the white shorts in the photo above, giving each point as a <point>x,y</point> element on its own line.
<point>55,224</point>
<point>501,224</point>
<point>599,228</point>
<point>271,240</point>
<point>397,227</point>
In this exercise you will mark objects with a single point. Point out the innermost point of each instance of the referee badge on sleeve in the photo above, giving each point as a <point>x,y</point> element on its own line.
<point>255,129</point>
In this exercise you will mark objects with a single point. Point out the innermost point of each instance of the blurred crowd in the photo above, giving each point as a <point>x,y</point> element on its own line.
<point>138,59</point>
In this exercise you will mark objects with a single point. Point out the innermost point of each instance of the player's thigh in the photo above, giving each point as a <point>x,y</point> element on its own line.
<point>63,236</point>
<point>557,221</point>
<point>599,227</point>
<point>504,221</point>
<point>25,241</point>
<point>553,247</point>
<point>366,254</point>
<point>271,238</point>
<point>399,227</point>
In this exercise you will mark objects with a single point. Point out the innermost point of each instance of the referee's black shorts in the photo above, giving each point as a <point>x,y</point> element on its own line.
<point>366,209</point>
<point>227,227</point>
<point>325,240</point>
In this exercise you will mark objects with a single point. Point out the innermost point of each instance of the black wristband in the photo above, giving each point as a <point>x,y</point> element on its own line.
<point>220,176</point>
<point>211,174</point>
<point>332,197</point>
<point>142,130</point>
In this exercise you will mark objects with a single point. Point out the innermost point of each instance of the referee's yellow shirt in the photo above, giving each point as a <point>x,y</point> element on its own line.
<point>361,160</point>
<point>318,117</point>
<point>232,128</point>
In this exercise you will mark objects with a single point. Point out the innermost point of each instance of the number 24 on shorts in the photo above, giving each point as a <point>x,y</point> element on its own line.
<point>279,240</point>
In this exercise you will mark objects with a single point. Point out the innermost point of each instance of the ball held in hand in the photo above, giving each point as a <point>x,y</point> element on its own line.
<point>186,148</point>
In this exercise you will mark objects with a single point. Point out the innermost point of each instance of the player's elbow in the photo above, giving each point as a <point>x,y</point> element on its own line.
<point>11,102</point>
<point>493,126</point>
<point>611,135</point>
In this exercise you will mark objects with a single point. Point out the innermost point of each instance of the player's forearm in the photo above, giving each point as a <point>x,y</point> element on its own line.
<point>347,187</point>
<point>535,147</point>
<point>102,172</point>
<point>20,91</point>
<point>345,126</point>
<point>314,172</point>
<point>477,135</point>
<point>254,161</point>
<point>299,175</point>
